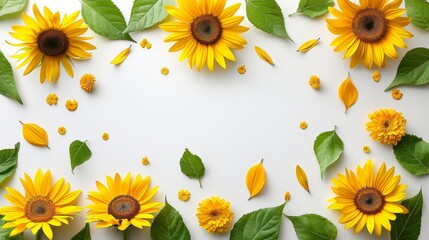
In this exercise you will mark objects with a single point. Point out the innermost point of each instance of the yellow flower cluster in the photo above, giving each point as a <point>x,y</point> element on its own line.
<point>144,43</point>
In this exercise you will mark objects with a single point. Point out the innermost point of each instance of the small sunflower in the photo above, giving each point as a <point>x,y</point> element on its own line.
<point>369,31</point>
<point>123,202</point>
<point>386,126</point>
<point>206,32</point>
<point>47,41</point>
<point>44,205</point>
<point>214,215</point>
<point>368,198</point>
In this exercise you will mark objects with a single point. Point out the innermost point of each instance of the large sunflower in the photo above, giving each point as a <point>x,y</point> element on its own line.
<point>206,31</point>
<point>368,31</point>
<point>368,199</point>
<point>123,202</point>
<point>47,41</point>
<point>43,205</point>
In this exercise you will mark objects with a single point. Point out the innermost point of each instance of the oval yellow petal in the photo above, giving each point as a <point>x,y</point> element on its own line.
<point>121,56</point>
<point>34,134</point>
<point>264,55</point>
<point>255,179</point>
<point>302,178</point>
<point>348,93</point>
<point>307,46</point>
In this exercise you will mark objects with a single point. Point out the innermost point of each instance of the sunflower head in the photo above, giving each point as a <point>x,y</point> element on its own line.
<point>214,215</point>
<point>368,198</point>
<point>386,126</point>
<point>47,41</point>
<point>123,202</point>
<point>205,32</point>
<point>369,31</point>
<point>44,204</point>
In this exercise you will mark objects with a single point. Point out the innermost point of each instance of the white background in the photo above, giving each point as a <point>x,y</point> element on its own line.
<point>231,121</point>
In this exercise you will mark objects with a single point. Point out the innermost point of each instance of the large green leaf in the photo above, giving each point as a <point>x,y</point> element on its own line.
<point>169,225</point>
<point>262,224</point>
<point>413,154</point>
<point>192,166</point>
<point>7,82</point>
<point>267,16</point>
<point>105,19</point>
<point>418,11</point>
<point>8,162</point>
<point>313,226</point>
<point>12,6</point>
<point>413,69</point>
<point>146,13</point>
<point>5,232</point>
<point>313,8</point>
<point>328,148</point>
<point>83,234</point>
<point>407,226</point>
<point>79,153</point>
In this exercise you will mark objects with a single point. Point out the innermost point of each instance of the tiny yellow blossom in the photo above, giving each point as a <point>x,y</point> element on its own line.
<point>148,45</point>
<point>376,76</point>
<point>396,94</point>
<point>143,42</point>
<point>52,99</point>
<point>314,82</point>
<point>145,161</point>
<point>105,136</point>
<point>184,195</point>
<point>303,125</point>
<point>287,196</point>
<point>87,82</point>
<point>71,105</point>
<point>241,69</point>
<point>366,149</point>
<point>62,130</point>
<point>165,71</point>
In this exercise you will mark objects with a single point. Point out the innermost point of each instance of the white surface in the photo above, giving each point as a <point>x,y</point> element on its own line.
<point>231,121</point>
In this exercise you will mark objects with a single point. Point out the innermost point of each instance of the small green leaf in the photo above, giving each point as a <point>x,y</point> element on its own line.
<point>328,148</point>
<point>8,162</point>
<point>12,6</point>
<point>313,8</point>
<point>413,69</point>
<point>192,166</point>
<point>413,154</point>
<point>267,16</point>
<point>418,11</point>
<point>83,234</point>
<point>262,224</point>
<point>407,226</point>
<point>79,153</point>
<point>169,225</point>
<point>146,13</point>
<point>105,19</point>
<point>5,232</point>
<point>7,82</point>
<point>313,226</point>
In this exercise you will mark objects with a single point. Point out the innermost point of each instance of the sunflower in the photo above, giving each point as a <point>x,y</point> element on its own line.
<point>214,215</point>
<point>47,41</point>
<point>123,202</point>
<point>369,31</point>
<point>43,205</point>
<point>368,199</point>
<point>206,32</point>
<point>386,126</point>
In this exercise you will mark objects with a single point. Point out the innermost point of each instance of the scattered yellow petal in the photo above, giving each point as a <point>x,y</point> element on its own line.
<point>302,178</point>
<point>34,134</point>
<point>105,136</point>
<point>396,94</point>
<point>287,196</point>
<point>348,93</point>
<point>184,195</point>
<point>145,161</point>
<point>366,149</point>
<point>303,125</point>
<point>376,76</point>
<point>87,82</point>
<point>52,99</point>
<point>165,71</point>
<point>148,45</point>
<point>121,56</point>
<point>241,69</point>
<point>307,46</point>
<point>62,130</point>
<point>255,179</point>
<point>264,55</point>
<point>71,105</point>
<point>314,82</point>
<point>143,42</point>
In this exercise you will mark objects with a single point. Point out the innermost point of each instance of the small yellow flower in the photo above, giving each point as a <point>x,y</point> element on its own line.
<point>287,196</point>
<point>143,42</point>
<point>148,45</point>
<point>62,130</point>
<point>87,82</point>
<point>145,161</point>
<point>52,99</point>
<point>366,149</point>
<point>184,195</point>
<point>71,105</point>
<point>314,82</point>
<point>303,125</point>
<point>396,94</point>
<point>165,71</point>
<point>376,76</point>
<point>105,136</point>
<point>241,69</point>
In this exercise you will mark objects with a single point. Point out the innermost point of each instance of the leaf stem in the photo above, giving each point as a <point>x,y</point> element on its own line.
<point>199,181</point>
<point>125,236</point>
<point>293,14</point>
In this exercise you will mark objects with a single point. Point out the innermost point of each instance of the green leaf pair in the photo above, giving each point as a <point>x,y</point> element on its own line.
<point>8,162</point>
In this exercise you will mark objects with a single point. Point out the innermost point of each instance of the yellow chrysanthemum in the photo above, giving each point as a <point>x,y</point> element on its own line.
<point>123,202</point>
<point>368,198</point>
<point>386,126</point>
<point>184,195</point>
<point>369,31</point>
<point>87,82</point>
<point>47,41</point>
<point>206,32</point>
<point>214,215</point>
<point>43,205</point>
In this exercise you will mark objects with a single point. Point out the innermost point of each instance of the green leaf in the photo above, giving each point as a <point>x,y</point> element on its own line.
<point>192,166</point>
<point>169,225</point>
<point>313,8</point>
<point>7,82</point>
<point>5,232</point>
<point>8,162</point>
<point>413,69</point>
<point>407,226</point>
<point>12,6</point>
<point>412,153</point>
<point>79,153</point>
<point>262,224</point>
<point>328,148</point>
<point>105,19</point>
<point>267,16</point>
<point>418,11</point>
<point>146,13</point>
<point>84,234</point>
<point>313,226</point>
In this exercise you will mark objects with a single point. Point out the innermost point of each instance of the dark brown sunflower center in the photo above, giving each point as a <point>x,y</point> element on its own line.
<point>206,29</point>
<point>39,209</point>
<point>123,207</point>
<point>53,42</point>
<point>369,201</point>
<point>369,25</point>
